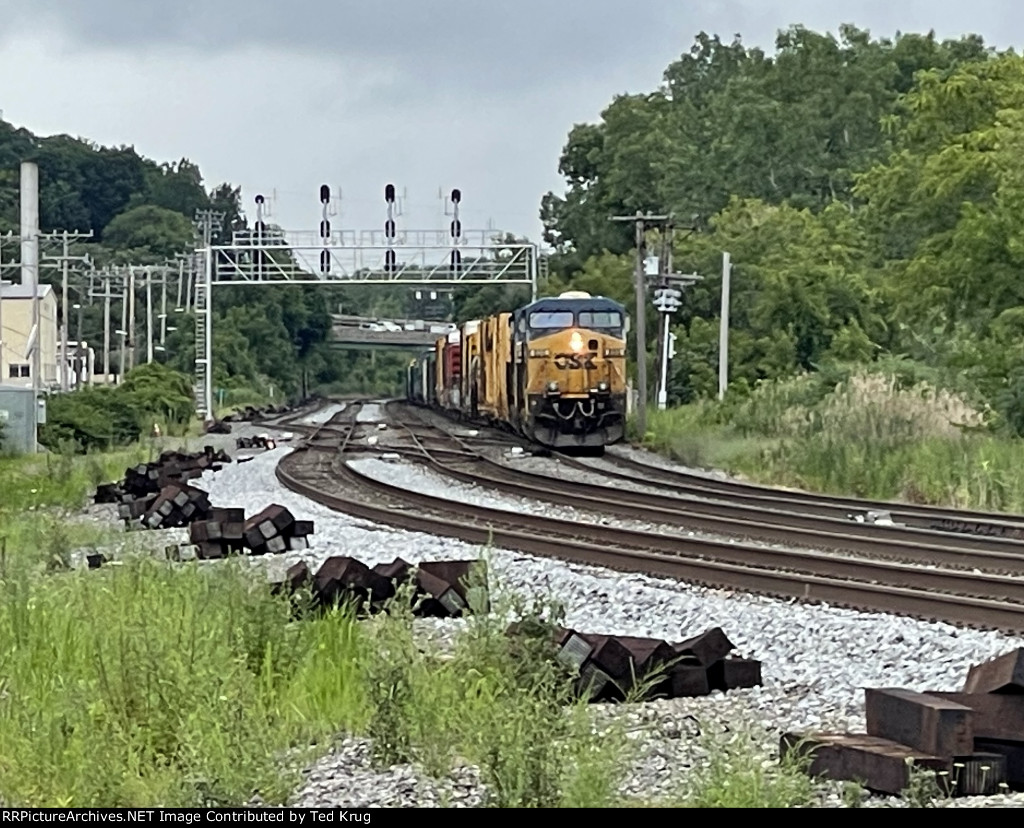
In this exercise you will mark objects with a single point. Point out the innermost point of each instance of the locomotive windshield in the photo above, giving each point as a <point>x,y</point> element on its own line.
<point>608,321</point>
<point>551,319</point>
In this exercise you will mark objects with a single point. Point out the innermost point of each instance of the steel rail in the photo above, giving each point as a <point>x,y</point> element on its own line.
<point>956,597</point>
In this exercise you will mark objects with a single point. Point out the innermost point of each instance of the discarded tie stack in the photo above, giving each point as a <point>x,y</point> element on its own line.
<point>440,588</point>
<point>262,441</point>
<point>157,494</point>
<point>973,740</point>
<point>611,667</point>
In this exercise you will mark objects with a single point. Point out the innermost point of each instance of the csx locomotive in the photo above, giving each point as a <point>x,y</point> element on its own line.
<point>553,371</point>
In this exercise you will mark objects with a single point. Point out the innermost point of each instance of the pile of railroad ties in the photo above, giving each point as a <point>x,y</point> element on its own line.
<point>973,740</point>
<point>613,667</point>
<point>440,589</point>
<point>157,496</point>
<point>609,668</point>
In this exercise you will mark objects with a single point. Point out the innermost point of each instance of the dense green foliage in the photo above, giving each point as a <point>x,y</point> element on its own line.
<point>142,213</point>
<point>102,417</point>
<point>867,190</point>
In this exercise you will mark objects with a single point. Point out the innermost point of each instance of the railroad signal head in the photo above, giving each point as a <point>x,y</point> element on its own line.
<point>389,192</point>
<point>260,199</point>
<point>325,193</point>
<point>456,196</point>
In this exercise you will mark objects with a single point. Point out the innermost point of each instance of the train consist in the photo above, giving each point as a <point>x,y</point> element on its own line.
<point>553,371</point>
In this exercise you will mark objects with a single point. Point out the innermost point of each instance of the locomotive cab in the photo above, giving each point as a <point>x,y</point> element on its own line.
<point>570,377</point>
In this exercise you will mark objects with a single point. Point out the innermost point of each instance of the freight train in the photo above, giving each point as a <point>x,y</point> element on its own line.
<point>553,371</point>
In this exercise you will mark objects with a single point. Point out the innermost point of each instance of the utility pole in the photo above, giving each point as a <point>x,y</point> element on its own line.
<point>65,258</point>
<point>124,330</point>
<point>106,330</point>
<point>163,311</point>
<point>642,221</point>
<point>149,315</point>
<point>131,317</point>
<point>723,329</point>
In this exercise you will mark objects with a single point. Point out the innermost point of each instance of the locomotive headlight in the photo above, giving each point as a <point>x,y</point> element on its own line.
<point>576,341</point>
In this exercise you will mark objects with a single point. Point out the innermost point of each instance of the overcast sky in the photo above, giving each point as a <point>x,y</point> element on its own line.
<point>281,97</point>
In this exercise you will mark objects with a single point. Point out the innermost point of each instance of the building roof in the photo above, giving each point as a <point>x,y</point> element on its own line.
<point>9,290</point>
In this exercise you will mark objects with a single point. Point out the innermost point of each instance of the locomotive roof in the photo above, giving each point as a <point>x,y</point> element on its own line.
<point>557,303</point>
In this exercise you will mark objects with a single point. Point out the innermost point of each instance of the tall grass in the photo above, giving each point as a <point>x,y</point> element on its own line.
<point>160,686</point>
<point>870,436</point>
<point>43,480</point>
<point>495,701</point>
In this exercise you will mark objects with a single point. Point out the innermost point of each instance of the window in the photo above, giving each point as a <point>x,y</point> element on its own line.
<point>19,371</point>
<point>601,319</point>
<point>551,319</point>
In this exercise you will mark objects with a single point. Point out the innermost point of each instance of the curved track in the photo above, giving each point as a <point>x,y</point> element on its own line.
<point>936,518</point>
<point>319,471</point>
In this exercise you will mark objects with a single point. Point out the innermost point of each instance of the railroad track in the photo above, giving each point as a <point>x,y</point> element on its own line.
<point>737,519</point>
<point>977,599</point>
<point>936,518</point>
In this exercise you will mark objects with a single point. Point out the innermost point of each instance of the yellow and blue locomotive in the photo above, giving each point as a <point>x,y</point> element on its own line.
<point>553,371</point>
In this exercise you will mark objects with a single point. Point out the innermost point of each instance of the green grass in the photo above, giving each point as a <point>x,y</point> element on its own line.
<point>159,684</point>
<point>155,684</point>
<point>868,438</point>
<point>149,684</point>
<point>43,480</point>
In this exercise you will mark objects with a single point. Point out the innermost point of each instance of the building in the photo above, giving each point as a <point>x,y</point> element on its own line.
<point>16,336</point>
<point>20,415</point>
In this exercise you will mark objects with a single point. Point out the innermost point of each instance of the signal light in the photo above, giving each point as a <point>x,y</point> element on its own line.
<point>456,196</point>
<point>260,199</point>
<point>389,192</point>
<point>325,262</point>
<point>325,193</point>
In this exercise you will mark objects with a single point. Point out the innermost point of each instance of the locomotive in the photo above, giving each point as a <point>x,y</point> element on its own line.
<point>553,371</point>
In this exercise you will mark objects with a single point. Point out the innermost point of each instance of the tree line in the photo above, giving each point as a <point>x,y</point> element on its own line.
<point>868,191</point>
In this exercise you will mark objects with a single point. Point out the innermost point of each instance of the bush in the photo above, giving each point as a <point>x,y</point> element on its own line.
<point>104,417</point>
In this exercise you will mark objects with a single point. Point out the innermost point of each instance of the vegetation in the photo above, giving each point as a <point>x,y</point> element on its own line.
<point>877,435</point>
<point>191,685</point>
<point>866,190</point>
<point>103,417</point>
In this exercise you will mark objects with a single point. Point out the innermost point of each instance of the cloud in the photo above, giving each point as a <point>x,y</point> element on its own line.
<point>426,94</point>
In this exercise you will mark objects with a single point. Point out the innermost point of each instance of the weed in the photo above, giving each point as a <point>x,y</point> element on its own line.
<point>737,775</point>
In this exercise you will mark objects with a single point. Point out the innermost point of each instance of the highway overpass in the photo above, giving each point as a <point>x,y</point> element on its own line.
<point>363,333</point>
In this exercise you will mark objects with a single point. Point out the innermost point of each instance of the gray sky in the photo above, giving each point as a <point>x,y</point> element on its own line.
<point>426,94</point>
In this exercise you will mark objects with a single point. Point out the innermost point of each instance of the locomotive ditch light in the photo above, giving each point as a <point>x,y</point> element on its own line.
<point>553,387</point>
<point>576,341</point>
<point>602,386</point>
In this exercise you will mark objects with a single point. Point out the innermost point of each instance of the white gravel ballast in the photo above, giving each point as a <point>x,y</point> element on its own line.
<point>816,659</point>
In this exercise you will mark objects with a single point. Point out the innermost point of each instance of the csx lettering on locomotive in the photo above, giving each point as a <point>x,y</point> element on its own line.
<point>553,370</point>
<point>575,361</point>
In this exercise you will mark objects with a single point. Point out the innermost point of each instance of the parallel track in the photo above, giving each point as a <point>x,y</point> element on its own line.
<point>937,518</point>
<point>955,596</point>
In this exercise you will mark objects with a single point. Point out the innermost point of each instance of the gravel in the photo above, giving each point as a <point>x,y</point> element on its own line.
<point>816,659</point>
<point>433,483</point>
<point>322,415</point>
